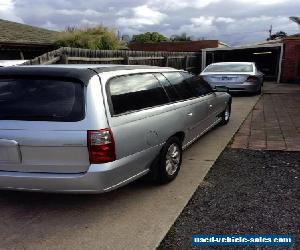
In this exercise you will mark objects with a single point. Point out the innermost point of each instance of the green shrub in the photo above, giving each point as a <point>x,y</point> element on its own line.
<point>98,37</point>
<point>149,37</point>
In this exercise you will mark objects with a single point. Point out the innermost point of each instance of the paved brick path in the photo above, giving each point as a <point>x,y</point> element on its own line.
<point>274,124</point>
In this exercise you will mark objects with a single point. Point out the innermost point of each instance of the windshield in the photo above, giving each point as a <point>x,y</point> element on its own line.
<point>41,100</point>
<point>229,68</point>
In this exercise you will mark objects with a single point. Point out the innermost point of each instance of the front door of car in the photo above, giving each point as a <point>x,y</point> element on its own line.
<point>192,102</point>
<point>215,107</point>
<point>197,116</point>
<point>209,97</point>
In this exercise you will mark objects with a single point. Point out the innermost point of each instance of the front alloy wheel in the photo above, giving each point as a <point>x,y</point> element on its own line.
<point>172,159</point>
<point>226,115</point>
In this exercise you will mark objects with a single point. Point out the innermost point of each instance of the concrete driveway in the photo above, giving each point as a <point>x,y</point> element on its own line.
<point>134,217</point>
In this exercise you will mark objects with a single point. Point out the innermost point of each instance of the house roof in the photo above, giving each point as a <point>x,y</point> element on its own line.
<point>175,46</point>
<point>280,40</point>
<point>223,45</point>
<point>12,32</point>
<point>295,36</point>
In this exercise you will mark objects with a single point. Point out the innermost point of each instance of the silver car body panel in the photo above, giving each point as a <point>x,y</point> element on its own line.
<point>53,156</point>
<point>55,147</point>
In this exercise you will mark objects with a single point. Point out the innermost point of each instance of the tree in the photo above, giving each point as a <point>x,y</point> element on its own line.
<point>279,34</point>
<point>181,37</point>
<point>149,37</point>
<point>98,37</point>
<point>295,19</point>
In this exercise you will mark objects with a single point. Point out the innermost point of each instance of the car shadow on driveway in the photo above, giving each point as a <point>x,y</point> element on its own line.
<point>27,218</point>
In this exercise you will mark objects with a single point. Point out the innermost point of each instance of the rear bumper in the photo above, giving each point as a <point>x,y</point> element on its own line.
<point>241,87</point>
<point>60,183</point>
<point>98,179</point>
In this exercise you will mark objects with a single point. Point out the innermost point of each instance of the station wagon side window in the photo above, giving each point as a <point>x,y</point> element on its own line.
<point>181,86</point>
<point>197,84</point>
<point>135,92</point>
<point>168,87</point>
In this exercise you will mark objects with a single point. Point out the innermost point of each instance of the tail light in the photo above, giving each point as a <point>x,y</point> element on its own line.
<point>101,146</point>
<point>252,79</point>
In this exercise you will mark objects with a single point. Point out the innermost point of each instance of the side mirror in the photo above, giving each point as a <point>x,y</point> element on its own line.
<point>221,89</point>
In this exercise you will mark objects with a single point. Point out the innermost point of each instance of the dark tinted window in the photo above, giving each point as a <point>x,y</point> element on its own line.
<point>197,84</point>
<point>41,100</point>
<point>135,92</point>
<point>168,87</point>
<point>180,84</point>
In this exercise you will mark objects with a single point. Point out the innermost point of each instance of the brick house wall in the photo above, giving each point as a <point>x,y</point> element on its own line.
<point>291,60</point>
<point>186,46</point>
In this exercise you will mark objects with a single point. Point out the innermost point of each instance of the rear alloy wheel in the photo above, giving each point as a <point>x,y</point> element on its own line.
<point>168,164</point>
<point>259,91</point>
<point>226,115</point>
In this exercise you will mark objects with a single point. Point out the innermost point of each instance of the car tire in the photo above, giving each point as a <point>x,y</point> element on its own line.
<point>225,116</point>
<point>259,91</point>
<point>167,165</point>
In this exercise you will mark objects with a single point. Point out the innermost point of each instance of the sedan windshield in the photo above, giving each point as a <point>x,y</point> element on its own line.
<point>229,68</point>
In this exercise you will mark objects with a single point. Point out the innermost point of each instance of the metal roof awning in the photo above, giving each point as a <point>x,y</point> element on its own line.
<point>268,45</point>
<point>259,53</point>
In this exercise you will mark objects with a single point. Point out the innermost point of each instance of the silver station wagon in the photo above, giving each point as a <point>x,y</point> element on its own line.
<point>94,128</point>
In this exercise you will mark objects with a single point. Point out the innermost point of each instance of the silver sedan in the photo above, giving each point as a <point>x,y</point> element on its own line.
<point>237,76</point>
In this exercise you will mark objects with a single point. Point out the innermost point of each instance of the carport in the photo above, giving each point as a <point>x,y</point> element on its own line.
<point>268,57</point>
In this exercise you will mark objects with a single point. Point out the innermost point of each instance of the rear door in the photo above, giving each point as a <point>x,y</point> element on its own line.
<point>42,125</point>
<point>140,119</point>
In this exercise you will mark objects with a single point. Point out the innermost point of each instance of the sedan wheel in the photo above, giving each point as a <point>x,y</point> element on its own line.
<point>259,91</point>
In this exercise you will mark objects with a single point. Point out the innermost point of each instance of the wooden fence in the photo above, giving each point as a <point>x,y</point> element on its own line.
<point>190,61</point>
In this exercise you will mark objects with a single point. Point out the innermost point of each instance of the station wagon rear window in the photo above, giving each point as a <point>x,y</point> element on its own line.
<point>41,100</point>
<point>229,68</point>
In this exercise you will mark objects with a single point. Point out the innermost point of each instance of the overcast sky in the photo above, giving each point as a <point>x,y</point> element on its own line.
<point>231,21</point>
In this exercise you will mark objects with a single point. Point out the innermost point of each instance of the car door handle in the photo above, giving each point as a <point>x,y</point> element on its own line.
<point>210,106</point>
<point>190,114</point>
